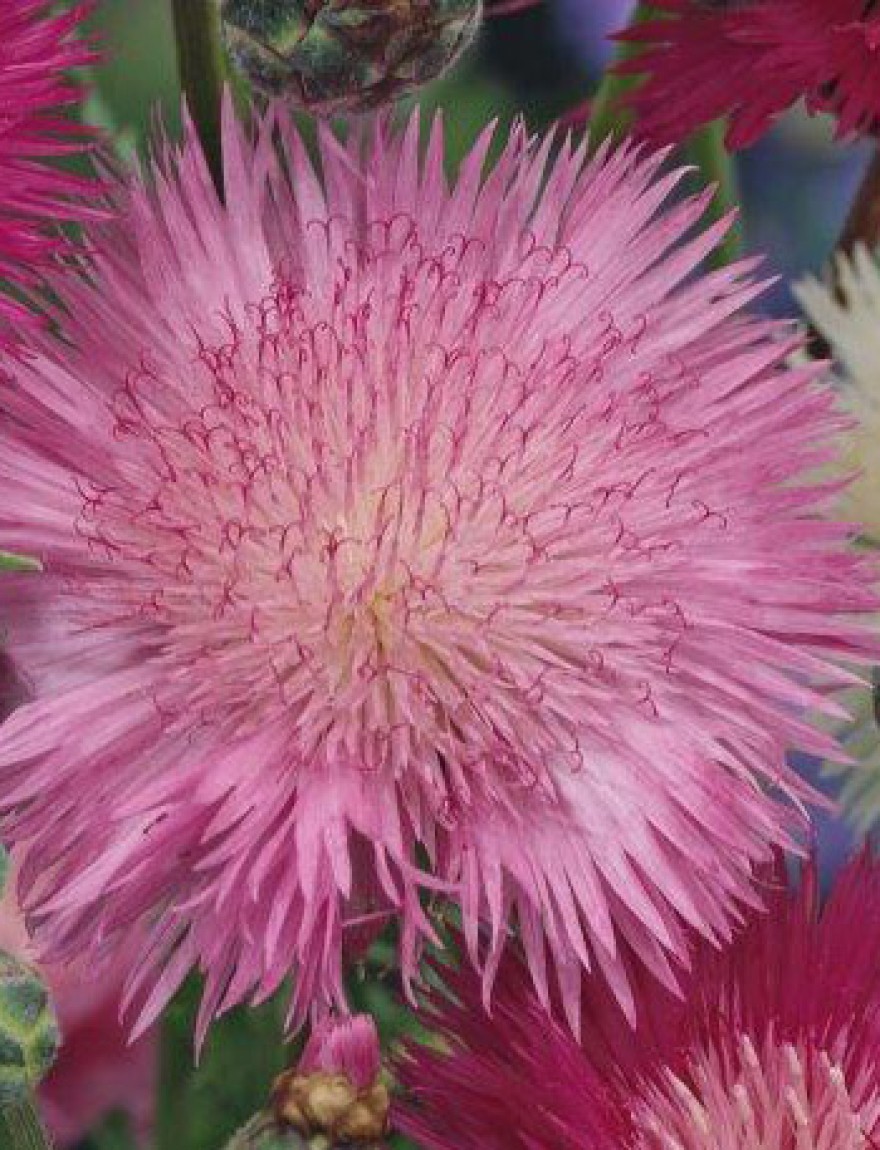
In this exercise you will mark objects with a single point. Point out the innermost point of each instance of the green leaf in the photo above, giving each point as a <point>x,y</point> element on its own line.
<point>200,1108</point>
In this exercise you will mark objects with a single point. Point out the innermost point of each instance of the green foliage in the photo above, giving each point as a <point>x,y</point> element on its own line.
<point>114,1134</point>
<point>139,70</point>
<point>202,1106</point>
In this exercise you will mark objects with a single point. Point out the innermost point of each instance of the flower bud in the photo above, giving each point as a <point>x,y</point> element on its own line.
<point>337,1089</point>
<point>266,1132</point>
<point>346,55</point>
<point>29,1037</point>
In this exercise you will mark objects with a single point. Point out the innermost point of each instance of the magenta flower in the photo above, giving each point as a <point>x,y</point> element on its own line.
<point>774,1045</point>
<point>37,49</point>
<point>348,1046</point>
<point>752,60</point>
<point>385,521</point>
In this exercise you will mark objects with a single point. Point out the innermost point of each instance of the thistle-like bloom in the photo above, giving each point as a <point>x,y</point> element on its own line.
<point>37,49</point>
<point>751,60</point>
<point>388,523</point>
<point>775,1045</point>
<point>349,1047</point>
<point>97,1071</point>
<point>336,1091</point>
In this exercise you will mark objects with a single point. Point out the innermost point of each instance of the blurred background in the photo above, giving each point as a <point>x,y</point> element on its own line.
<point>543,63</point>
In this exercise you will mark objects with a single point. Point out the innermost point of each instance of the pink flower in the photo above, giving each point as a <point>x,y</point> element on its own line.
<point>348,1046</point>
<point>337,1089</point>
<point>37,49</point>
<point>385,520</point>
<point>97,1071</point>
<point>751,60</point>
<point>774,1045</point>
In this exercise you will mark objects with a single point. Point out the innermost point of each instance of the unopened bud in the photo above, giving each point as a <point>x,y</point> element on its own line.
<point>346,55</point>
<point>29,1037</point>
<point>267,1132</point>
<point>336,1090</point>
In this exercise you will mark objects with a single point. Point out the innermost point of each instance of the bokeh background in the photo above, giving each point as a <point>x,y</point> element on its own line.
<point>542,62</point>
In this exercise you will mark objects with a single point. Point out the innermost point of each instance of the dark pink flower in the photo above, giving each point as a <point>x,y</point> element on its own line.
<point>774,1044</point>
<point>401,536</point>
<point>37,50</point>
<point>97,1072</point>
<point>752,59</point>
<point>348,1046</point>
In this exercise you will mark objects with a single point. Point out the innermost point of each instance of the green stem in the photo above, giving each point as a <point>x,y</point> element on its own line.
<point>200,61</point>
<point>608,116</point>
<point>706,149</point>
<point>175,1072</point>
<point>25,1127</point>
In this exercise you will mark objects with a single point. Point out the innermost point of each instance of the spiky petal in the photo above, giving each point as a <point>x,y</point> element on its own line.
<point>751,60</point>
<point>37,51</point>
<point>774,1045</point>
<point>348,1046</point>
<point>384,520</point>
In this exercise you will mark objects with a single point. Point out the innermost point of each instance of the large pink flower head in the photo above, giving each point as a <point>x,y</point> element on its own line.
<point>388,522</point>
<point>751,60</point>
<point>37,49</point>
<point>773,1045</point>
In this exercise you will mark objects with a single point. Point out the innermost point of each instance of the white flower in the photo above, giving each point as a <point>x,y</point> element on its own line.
<point>845,309</point>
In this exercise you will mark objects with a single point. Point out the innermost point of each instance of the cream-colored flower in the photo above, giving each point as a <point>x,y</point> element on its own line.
<point>845,310</point>
<point>848,316</point>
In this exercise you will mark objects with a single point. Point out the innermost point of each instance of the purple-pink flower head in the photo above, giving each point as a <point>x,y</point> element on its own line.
<point>37,49</point>
<point>402,536</point>
<point>349,1047</point>
<point>773,1045</point>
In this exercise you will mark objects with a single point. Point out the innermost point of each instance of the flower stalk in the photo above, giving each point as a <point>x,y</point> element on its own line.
<point>24,1126</point>
<point>200,62</point>
<point>607,116</point>
<point>708,152</point>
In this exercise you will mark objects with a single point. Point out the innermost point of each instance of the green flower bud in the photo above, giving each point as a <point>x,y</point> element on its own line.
<point>346,55</point>
<point>29,1037</point>
<point>265,1133</point>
